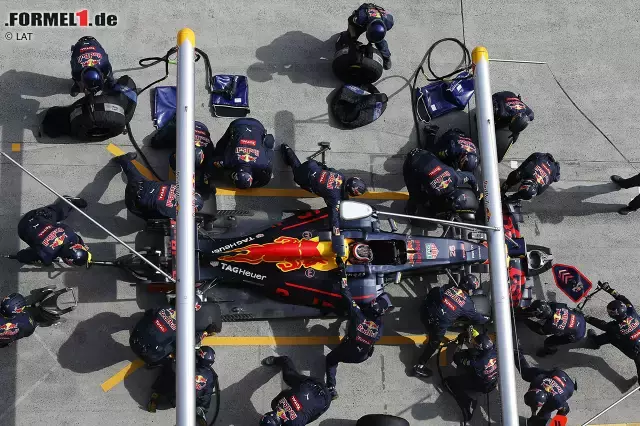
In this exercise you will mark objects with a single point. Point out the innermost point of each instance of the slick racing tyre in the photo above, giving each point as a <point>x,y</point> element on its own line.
<point>358,64</point>
<point>106,119</point>
<point>381,420</point>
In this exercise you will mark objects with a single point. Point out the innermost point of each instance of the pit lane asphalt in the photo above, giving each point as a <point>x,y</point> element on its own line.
<point>285,47</point>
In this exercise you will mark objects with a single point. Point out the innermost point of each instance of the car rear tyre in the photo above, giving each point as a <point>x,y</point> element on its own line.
<point>381,420</point>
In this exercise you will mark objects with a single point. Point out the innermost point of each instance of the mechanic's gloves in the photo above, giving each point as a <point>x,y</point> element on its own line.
<point>201,419</point>
<point>564,410</point>
<point>606,287</point>
<point>430,132</point>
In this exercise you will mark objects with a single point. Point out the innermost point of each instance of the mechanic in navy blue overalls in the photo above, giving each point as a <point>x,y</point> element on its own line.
<point>628,183</point>
<point>440,309</point>
<point>535,175</point>
<point>164,388</point>
<point>454,148</point>
<point>549,391</point>
<point>149,199</point>
<point>432,184</point>
<point>477,372</point>
<point>623,332</point>
<point>246,149</point>
<point>49,238</point>
<point>365,326</point>
<point>327,183</point>
<point>375,21</point>
<point>510,112</point>
<point>15,321</point>
<point>90,67</point>
<point>303,403</point>
<point>203,153</point>
<point>565,325</point>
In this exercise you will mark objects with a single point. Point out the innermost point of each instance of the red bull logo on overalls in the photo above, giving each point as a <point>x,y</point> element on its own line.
<point>201,382</point>
<point>90,59</point>
<point>442,181</point>
<point>9,329</point>
<point>368,328</point>
<point>285,412</point>
<point>628,325</point>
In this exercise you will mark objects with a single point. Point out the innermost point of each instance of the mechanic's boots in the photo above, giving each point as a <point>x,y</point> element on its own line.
<point>152,405</point>
<point>591,340</point>
<point>333,392</point>
<point>422,370</point>
<point>286,153</point>
<point>386,63</point>
<point>625,211</point>
<point>129,156</point>
<point>269,361</point>
<point>619,180</point>
<point>80,203</point>
<point>75,89</point>
<point>546,350</point>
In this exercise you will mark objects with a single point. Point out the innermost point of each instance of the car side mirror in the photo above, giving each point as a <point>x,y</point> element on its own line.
<point>353,210</point>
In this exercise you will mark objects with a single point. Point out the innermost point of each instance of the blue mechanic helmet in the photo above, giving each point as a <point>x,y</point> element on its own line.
<point>12,304</point>
<point>355,186</point>
<point>206,355</point>
<point>376,31</point>
<point>199,202</point>
<point>270,419</point>
<point>92,79</point>
<point>468,162</point>
<point>242,178</point>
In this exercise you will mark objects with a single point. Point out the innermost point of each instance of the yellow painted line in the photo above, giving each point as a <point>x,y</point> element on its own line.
<point>121,375</point>
<point>116,151</point>
<point>301,193</point>
<point>16,147</point>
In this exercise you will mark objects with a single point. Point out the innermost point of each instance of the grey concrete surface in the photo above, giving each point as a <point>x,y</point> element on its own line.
<point>285,47</point>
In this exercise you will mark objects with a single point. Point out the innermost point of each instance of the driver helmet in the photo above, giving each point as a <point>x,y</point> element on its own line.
<point>206,356</point>
<point>468,162</point>
<point>381,305</point>
<point>617,310</point>
<point>376,31</point>
<point>519,122</point>
<point>92,79</point>
<point>535,398</point>
<point>76,255</point>
<point>12,304</point>
<point>469,282</point>
<point>482,342</point>
<point>270,419</point>
<point>242,177</point>
<point>360,253</point>
<point>355,186</point>
<point>542,309</point>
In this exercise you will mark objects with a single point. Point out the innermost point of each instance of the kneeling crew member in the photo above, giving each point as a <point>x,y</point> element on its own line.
<point>549,391</point>
<point>375,21</point>
<point>49,238</point>
<point>478,372</point>
<point>327,183</point>
<point>440,309</point>
<point>16,321</point>
<point>247,150</point>
<point>454,148</point>
<point>535,175</point>
<point>149,199</point>
<point>623,332</point>
<point>510,112</point>
<point>565,325</point>
<point>203,154</point>
<point>429,180</point>
<point>303,403</point>
<point>90,67</point>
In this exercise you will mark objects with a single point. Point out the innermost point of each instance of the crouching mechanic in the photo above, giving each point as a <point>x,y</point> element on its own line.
<point>375,21</point>
<point>563,324</point>
<point>434,185</point>
<point>510,112</point>
<point>478,372</point>
<point>49,238</point>
<point>303,403</point>
<point>364,329</point>
<point>203,152</point>
<point>440,309</point>
<point>549,391</point>
<point>90,67</point>
<point>535,175</point>
<point>327,183</point>
<point>164,388</point>
<point>454,148</point>
<point>153,339</point>
<point>246,149</point>
<point>149,199</point>
<point>16,321</point>
<point>623,332</point>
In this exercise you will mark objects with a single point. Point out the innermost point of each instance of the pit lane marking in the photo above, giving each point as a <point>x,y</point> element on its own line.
<point>121,375</point>
<point>267,192</point>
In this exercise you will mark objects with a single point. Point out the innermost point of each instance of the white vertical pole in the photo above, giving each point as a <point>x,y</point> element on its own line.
<point>185,233</point>
<point>497,250</point>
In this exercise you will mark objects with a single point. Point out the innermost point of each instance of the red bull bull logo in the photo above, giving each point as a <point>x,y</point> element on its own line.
<point>288,253</point>
<point>201,382</point>
<point>368,328</point>
<point>9,329</point>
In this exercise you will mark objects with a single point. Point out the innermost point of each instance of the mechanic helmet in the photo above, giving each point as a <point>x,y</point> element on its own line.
<point>270,419</point>
<point>198,201</point>
<point>242,177</point>
<point>12,304</point>
<point>206,356</point>
<point>617,310</point>
<point>199,156</point>
<point>542,309</point>
<point>92,79</point>
<point>360,253</point>
<point>76,255</point>
<point>380,305</point>
<point>464,200</point>
<point>518,123</point>
<point>468,161</point>
<point>469,282</point>
<point>355,186</point>
<point>376,31</point>
<point>535,398</point>
<point>482,342</point>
